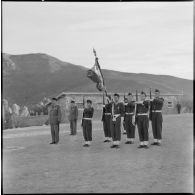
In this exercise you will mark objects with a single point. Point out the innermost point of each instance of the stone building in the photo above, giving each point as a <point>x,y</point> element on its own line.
<point>64,99</point>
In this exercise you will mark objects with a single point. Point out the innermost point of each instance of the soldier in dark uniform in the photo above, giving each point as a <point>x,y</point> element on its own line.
<point>142,120</point>
<point>106,117</point>
<point>129,112</point>
<point>178,105</point>
<point>124,127</point>
<point>115,122</point>
<point>87,123</point>
<point>54,120</point>
<point>156,117</point>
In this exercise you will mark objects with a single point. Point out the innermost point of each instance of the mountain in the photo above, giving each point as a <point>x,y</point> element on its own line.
<point>29,78</point>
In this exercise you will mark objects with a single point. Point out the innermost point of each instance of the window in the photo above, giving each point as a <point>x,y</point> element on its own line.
<point>170,104</point>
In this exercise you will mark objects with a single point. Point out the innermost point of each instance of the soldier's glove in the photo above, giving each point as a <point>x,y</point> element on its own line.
<point>114,118</point>
<point>133,120</point>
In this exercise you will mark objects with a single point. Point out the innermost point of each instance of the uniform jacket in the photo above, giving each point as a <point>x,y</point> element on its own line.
<point>130,107</point>
<point>55,115</point>
<point>118,108</point>
<point>157,104</point>
<point>73,113</point>
<point>143,108</point>
<point>88,113</point>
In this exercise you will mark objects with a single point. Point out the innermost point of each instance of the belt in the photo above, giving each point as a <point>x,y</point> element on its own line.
<point>116,115</point>
<point>87,118</point>
<point>142,114</point>
<point>156,110</point>
<point>129,113</point>
<point>107,113</point>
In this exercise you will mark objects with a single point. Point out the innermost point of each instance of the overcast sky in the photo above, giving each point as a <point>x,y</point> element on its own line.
<point>138,37</point>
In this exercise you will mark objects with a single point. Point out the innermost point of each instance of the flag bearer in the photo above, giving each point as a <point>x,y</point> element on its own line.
<point>115,122</point>
<point>142,120</point>
<point>87,123</point>
<point>129,112</point>
<point>106,117</point>
<point>156,118</point>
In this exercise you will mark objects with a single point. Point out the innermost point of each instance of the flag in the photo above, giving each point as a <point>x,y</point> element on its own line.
<point>95,74</point>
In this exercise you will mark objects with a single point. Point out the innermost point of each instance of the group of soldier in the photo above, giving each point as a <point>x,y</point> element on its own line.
<point>133,113</point>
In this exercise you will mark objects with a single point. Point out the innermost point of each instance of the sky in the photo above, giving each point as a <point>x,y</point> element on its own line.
<point>136,37</point>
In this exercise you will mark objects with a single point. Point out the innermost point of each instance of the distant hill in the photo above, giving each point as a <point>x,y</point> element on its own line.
<point>29,78</point>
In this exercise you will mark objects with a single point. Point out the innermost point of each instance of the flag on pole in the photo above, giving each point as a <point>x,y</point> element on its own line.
<point>95,74</point>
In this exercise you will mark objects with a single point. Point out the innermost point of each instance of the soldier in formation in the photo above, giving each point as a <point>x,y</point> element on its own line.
<point>106,117</point>
<point>142,120</point>
<point>129,125</point>
<point>115,122</point>
<point>124,127</point>
<point>87,123</point>
<point>156,117</point>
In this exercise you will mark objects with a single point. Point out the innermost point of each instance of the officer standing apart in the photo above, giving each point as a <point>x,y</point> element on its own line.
<point>129,126</point>
<point>54,120</point>
<point>115,122</point>
<point>87,123</point>
<point>142,120</point>
<point>178,107</point>
<point>73,116</point>
<point>106,117</point>
<point>156,117</point>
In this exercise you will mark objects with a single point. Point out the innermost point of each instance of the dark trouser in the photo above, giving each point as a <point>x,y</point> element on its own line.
<point>124,126</point>
<point>87,130</point>
<point>106,124</point>
<point>55,133</point>
<point>115,127</point>
<point>143,125</point>
<point>73,127</point>
<point>130,128</point>
<point>157,125</point>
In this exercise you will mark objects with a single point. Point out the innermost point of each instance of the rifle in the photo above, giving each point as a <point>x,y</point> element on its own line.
<point>150,94</point>
<point>103,111</point>
<point>150,107</point>
<point>83,102</point>
<point>134,116</point>
<point>136,96</point>
<point>83,110</point>
<point>103,99</point>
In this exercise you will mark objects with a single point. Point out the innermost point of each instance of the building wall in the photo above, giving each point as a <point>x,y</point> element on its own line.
<point>97,100</point>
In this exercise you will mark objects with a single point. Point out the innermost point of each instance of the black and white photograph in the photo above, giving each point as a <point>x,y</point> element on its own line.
<point>97,97</point>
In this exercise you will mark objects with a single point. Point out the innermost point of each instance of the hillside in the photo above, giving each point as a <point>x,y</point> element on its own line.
<point>30,77</point>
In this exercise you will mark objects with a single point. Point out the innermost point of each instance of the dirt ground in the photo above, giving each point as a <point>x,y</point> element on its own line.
<point>32,165</point>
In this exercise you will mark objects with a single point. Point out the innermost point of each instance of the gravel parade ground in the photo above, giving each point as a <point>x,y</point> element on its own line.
<point>32,165</point>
